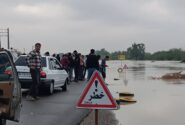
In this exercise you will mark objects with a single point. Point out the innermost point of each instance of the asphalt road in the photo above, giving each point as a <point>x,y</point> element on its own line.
<point>57,109</point>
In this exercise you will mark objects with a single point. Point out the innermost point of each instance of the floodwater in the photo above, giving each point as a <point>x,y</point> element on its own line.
<point>159,102</point>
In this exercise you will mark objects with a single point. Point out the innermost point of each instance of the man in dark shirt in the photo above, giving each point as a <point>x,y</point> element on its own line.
<point>103,66</point>
<point>76,65</point>
<point>71,66</point>
<point>92,63</point>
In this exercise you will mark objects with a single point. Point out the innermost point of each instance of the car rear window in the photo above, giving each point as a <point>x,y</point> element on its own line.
<point>21,61</point>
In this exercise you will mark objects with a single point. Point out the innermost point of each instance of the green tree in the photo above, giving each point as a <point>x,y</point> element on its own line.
<point>137,51</point>
<point>172,54</point>
<point>102,52</point>
<point>148,56</point>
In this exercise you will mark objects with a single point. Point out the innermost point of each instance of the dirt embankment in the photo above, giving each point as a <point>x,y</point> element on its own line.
<point>171,76</point>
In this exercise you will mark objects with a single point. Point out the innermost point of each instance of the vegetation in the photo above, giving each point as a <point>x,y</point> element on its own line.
<point>113,55</point>
<point>102,52</point>
<point>172,54</point>
<point>137,52</point>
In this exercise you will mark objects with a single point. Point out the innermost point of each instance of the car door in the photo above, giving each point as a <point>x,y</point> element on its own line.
<point>10,88</point>
<point>54,73</point>
<point>61,74</point>
<point>60,71</point>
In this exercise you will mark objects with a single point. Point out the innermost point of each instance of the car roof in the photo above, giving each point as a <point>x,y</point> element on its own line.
<point>42,56</point>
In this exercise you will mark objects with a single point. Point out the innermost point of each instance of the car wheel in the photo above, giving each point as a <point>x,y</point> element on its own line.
<point>2,121</point>
<point>51,88</point>
<point>64,87</point>
<point>68,81</point>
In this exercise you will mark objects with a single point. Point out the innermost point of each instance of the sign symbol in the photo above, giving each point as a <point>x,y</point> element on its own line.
<point>96,85</point>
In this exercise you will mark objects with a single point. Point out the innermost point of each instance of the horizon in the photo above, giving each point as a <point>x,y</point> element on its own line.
<point>95,50</point>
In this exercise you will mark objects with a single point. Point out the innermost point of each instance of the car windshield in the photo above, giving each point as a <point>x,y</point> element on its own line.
<point>21,61</point>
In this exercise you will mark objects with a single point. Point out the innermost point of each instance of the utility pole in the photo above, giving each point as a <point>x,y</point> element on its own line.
<point>5,32</point>
<point>0,42</point>
<point>8,40</point>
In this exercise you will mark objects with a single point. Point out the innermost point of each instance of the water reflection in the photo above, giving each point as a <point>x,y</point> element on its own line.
<point>138,70</point>
<point>158,101</point>
<point>123,76</point>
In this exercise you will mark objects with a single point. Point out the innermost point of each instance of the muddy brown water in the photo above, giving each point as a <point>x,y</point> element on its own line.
<point>159,102</point>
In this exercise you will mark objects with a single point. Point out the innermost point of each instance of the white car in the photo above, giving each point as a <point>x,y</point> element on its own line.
<point>52,74</point>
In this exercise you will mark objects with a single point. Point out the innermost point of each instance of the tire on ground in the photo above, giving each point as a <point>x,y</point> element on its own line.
<point>50,88</point>
<point>2,121</point>
<point>64,87</point>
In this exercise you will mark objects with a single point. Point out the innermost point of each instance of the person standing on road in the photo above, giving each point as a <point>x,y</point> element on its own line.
<point>82,67</point>
<point>76,65</point>
<point>65,62</point>
<point>34,63</point>
<point>71,66</point>
<point>103,66</point>
<point>92,63</point>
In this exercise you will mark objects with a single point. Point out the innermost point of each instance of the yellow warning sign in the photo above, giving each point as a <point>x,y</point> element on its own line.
<point>121,57</point>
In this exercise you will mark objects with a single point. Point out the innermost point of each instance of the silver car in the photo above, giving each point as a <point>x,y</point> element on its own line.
<point>52,74</point>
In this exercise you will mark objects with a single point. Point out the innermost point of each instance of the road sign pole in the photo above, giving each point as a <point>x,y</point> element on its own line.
<point>96,116</point>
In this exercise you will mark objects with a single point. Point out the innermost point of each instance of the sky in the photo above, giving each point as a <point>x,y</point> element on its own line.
<point>67,25</point>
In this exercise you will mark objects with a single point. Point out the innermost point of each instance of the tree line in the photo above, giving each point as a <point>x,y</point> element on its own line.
<point>137,52</point>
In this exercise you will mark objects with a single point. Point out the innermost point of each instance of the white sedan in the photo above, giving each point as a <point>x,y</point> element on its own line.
<point>52,74</point>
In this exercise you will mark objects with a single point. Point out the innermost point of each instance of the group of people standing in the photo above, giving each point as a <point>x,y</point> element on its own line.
<point>79,64</point>
<point>71,62</point>
<point>74,62</point>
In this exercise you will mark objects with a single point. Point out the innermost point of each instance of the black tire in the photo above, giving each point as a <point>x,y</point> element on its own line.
<point>2,121</point>
<point>68,82</point>
<point>64,87</point>
<point>50,88</point>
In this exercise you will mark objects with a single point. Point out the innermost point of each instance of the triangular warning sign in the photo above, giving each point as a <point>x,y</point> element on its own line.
<point>96,95</point>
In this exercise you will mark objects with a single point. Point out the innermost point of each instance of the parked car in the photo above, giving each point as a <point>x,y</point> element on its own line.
<point>10,89</point>
<point>52,74</point>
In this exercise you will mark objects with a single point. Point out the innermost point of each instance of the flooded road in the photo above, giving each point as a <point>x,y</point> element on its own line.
<point>159,102</point>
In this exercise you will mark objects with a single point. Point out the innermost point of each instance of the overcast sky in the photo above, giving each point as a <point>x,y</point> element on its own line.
<point>66,25</point>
